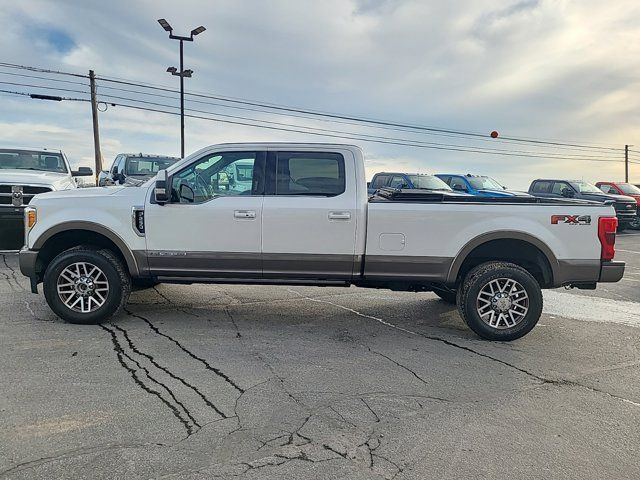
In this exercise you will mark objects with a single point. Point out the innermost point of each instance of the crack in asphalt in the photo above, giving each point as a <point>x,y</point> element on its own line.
<point>120,353</point>
<point>154,362</point>
<point>207,365</point>
<point>74,453</point>
<point>13,273</point>
<point>540,378</point>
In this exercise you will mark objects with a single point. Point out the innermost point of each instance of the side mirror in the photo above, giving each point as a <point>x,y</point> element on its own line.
<point>186,193</point>
<point>567,193</point>
<point>120,178</point>
<point>368,184</point>
<point>161,189</point>
<point>82,172</point>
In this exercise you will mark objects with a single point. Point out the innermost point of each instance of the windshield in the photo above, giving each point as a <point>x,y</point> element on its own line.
<point>629,189</point>
<point>584,187</point>
<point>147,166</point>
<point>32,160</point>
<point>484,183</point>
<point>428,182</point>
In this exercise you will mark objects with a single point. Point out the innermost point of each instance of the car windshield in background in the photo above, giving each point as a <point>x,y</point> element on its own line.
<point>484,183</point>
<point>428,182</point>
<point>584,187</point>
<point>32,160</point>
<point>629,189</point>
<point>147,166</point>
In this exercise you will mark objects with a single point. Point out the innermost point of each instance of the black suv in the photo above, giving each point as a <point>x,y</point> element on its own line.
<point>625,206</point>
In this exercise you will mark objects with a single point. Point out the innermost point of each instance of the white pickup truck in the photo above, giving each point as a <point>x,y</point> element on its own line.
<point>25,172</point>
<point>301,214</point>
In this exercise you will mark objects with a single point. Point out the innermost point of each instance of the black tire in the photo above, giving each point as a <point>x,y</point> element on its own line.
<point>143,283</point>
<point>635,224</point>
<point>119,283</point>
<point>480,277</point>
<point>449,296</point>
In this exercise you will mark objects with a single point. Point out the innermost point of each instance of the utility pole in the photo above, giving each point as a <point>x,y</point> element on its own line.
<point>96,132</point>
<point>182,73</point>
<point>626,163</point>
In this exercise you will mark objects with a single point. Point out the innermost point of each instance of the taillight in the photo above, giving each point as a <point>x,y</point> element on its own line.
<point>607,234</point>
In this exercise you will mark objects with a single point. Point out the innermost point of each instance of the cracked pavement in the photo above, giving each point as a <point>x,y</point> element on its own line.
<point>221,381</point>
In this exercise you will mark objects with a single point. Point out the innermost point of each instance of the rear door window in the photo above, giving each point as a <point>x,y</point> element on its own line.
<point>559,186</point>
<point>398,181</point>
<point>380,181</point>
<point>309,174</point>
<point>541,187</point>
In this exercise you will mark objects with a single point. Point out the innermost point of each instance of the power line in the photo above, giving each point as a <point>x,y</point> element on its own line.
<point>42,87</point>
<point>24,94</point>
<point>57,80</point>
<point>357,119</point>
<point>347,136</point>
<point>398,129</point>
<point>364,135</point>
<point>41,70</point>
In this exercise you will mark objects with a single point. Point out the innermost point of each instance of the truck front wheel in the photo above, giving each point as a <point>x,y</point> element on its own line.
<point>85,285</point>
<point>500,301</point>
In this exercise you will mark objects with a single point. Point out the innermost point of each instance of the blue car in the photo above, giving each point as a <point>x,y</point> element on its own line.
<point>406,181</point>
<point>478,185</point>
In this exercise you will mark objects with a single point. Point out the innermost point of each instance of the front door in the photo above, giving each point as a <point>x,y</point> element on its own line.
<point>309,216</point>
<point>212,225</point>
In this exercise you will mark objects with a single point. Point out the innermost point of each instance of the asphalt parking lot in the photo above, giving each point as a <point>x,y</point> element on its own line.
<point>275,382</point>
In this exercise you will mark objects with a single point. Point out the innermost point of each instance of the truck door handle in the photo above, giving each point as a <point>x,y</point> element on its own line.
<point>244,214</point>
<point>339,215</point>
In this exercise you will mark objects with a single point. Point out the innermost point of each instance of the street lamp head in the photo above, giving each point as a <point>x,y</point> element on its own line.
<point>172,70</point>
<point>187,73</point>
<point>164,24</point>
<point>197,31</point>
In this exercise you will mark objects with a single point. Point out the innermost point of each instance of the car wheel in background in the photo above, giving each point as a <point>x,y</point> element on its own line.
<point>500,301</point>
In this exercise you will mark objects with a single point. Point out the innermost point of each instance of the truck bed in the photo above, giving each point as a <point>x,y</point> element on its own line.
<point>425,196</point>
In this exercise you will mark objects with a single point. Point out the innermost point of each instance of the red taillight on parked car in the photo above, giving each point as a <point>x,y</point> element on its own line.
<point>607,234</point>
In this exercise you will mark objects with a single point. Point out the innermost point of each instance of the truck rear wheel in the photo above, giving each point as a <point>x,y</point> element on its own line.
<point>500,301</point>
<point>85,285</point>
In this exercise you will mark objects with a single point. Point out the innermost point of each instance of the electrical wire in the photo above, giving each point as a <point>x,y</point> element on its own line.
<point>24,94</point>
<point>362,135</point>
<point>346,136</point>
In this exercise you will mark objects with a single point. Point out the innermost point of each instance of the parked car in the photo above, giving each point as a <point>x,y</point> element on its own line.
<point>628,189</point>
<point>23,174</point>
<point>406,181</point>
<point>307,219</point>
<point>625,206</point>
<point>478,185</point>
<point>134,168</point>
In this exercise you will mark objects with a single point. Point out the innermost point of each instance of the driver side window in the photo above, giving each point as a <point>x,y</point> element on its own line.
<point>214,175</point>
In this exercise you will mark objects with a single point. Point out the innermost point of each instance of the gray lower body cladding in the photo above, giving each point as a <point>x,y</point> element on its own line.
<point>346,268</point>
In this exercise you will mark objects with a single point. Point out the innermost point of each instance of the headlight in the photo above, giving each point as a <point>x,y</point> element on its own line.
<point>30,217</point>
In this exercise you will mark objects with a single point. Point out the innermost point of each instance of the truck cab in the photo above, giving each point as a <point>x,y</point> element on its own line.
<point>407,181</point>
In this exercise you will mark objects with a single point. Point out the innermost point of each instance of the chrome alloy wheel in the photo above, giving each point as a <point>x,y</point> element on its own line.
<point>502,303</point>
<point>83,287</point>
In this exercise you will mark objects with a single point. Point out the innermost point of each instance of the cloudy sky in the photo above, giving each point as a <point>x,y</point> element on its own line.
<point>554,70</point>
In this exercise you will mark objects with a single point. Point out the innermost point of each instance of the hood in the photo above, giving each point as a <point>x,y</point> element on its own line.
<point>79,193</point>
<point>503,193</point>
<point>58,181</point>
<point>603,197</point>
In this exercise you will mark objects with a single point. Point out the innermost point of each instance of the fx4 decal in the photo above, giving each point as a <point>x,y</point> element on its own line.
<point>571,219</point>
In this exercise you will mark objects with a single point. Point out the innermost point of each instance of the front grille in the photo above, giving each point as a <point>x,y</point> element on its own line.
<point>625,209</point>
<point>28,191</point>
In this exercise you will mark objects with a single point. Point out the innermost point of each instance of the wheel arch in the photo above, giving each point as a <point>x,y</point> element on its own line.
<point>70,234</point>
<point>501,245</point>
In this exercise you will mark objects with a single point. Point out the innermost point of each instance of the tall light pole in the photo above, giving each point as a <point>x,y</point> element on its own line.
<point>182,73</point>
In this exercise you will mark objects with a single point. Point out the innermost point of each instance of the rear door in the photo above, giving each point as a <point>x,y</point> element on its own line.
<point>309,215</point>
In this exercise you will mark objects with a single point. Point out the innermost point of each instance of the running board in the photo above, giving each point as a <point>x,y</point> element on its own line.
<point>255,281</point>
